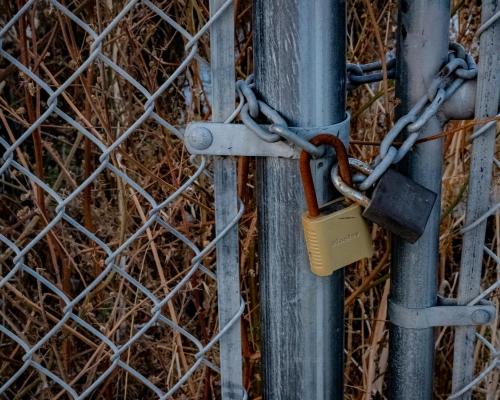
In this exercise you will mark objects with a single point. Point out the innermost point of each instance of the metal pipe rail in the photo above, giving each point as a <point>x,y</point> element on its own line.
<point>302,76</point>
<point>422,50</point>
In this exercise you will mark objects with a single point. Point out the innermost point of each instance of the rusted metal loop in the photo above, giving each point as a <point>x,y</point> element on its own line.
<point>306,174</point>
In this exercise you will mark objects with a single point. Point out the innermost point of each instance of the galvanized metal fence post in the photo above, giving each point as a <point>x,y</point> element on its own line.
<point>300,71</point>
<point>226,204</point>
<point>422,50</point>
<point>478,200</point>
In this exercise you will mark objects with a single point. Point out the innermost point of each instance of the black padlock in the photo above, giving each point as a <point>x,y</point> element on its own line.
<point>397,203</point>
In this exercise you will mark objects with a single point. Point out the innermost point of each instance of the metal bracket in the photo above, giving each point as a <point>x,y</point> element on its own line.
<point>445,313</point>
<point>218,139</point>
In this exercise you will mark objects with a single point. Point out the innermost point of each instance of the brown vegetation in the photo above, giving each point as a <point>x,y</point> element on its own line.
<point>53,47</point>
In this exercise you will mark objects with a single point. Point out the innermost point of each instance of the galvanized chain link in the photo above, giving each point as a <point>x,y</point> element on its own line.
<point>359,74</point>
<point>460,67</point>
<point>252,108</point>
<point>116,260</point>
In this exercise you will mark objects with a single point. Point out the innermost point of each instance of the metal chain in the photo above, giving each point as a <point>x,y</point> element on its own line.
<point>252,108</point>
<point>359,74</point>
<point>460,67</point>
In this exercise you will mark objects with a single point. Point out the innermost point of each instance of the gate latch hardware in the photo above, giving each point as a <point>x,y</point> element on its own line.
<point>445,313</point>
<point>219,139</point>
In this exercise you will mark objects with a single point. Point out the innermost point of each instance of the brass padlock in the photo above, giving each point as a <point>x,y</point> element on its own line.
<point>336,235</point>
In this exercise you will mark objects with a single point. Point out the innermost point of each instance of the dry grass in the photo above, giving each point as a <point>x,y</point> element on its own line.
<point>106,105</point>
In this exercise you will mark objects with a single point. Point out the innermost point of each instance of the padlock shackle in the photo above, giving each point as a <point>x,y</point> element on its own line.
<point>345,188</point>
<point>306,174</point>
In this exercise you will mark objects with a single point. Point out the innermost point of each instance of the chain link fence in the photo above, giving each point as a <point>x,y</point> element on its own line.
<point>108,287</point>
<point>486,354</point>
<point>483,342</point>
<point>479,263</point>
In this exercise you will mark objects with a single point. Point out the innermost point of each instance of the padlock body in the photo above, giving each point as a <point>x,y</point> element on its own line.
<point>336,239</point>
<point>400,205</point>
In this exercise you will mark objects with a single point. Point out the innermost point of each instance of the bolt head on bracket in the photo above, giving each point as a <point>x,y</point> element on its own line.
<point>199,137</point>
<point>481,317</point>
<point>447,312</point>
<point>219,139</point>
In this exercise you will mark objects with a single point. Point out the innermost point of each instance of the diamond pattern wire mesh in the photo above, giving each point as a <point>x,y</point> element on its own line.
<point>486,352</point>
<point>56,341</point>
<point>141,256</point>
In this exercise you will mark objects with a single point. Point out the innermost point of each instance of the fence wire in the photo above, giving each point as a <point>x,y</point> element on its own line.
<point>135,318</point>
<point>486,349</point>
<point>494,362</point>
<point>492,353</point>
<point>482,203</point>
